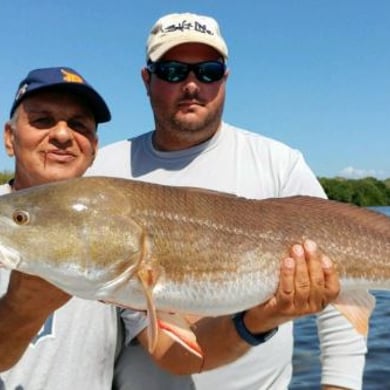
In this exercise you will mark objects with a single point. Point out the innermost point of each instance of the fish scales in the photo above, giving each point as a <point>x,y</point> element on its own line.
<point>345,232</point>
<point>211,253</point>
<point>203,250</point>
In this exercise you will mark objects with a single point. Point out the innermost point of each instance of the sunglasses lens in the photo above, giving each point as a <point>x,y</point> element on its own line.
<point>210,71</point>
<point>172,72</point>
<point>175,72</point>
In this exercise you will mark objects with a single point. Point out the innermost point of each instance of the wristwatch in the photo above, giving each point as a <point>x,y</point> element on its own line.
<point>252,339</point>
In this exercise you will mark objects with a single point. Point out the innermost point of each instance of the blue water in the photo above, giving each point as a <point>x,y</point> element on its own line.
<point>307,368</point>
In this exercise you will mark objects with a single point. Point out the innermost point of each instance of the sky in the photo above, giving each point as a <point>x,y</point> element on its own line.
<point>314,74</point>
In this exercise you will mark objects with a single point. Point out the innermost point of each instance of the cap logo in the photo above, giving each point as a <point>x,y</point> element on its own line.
<point>22,90</point>
<point>71,77</point>
<point>184,25</point>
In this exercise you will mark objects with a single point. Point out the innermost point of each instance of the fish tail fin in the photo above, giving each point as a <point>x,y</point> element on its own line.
<point>357,307</point>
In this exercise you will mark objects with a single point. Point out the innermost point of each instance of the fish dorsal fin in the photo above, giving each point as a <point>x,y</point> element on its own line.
<point>357,307</point>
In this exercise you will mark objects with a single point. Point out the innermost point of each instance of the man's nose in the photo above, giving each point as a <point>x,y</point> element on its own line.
<point>191,84</point>
<point>61,132</point>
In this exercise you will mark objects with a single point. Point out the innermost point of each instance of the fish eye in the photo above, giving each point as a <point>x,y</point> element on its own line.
<point>21,217</point>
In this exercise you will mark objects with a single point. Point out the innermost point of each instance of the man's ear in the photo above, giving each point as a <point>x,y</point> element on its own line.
<point>8,137</point>
<point>145,74</point>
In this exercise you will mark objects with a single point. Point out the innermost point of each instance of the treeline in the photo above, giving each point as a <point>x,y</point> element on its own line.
<point>5,176</point>
<point>362,192</point>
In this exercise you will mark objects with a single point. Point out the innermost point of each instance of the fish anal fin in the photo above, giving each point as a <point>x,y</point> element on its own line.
<point>178,329</point>
<point>357,307</point>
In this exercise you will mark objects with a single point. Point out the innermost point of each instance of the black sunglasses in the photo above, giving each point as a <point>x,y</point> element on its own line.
<point>175,71</point>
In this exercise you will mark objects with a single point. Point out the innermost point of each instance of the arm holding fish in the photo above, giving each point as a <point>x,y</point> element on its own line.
<point>307,301</point>
<point>342,351</point>
<point>342,361</point>
<point>24,308</point>
<point>308,282</point>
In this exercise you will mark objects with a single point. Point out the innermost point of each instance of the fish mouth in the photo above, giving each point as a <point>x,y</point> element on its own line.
<point>9,258</point>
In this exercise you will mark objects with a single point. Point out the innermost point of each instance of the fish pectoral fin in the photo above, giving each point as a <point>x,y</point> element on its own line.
<point>148,278</point>
<point>357,307</point>
<point>178,329</point>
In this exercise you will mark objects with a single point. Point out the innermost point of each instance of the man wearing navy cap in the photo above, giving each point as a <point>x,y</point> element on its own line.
<point>62,103</point>
<point>52,133</point>
<point>62,79</point>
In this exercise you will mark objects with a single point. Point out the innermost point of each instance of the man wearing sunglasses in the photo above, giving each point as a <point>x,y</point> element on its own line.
<point>185,78</point>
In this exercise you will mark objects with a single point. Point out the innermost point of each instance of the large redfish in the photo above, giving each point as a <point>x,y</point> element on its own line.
<point>183,250</point>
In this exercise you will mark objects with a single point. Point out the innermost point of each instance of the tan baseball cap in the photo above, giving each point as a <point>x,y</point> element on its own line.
<point>175,29</point>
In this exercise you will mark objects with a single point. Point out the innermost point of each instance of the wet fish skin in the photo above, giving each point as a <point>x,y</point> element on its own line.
<point>183,250</point>
<point>214,253</point>
<point>109,222</point>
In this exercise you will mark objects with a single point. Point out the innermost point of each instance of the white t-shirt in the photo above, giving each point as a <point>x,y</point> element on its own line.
<point>252,166</point>
<point>75,349</point>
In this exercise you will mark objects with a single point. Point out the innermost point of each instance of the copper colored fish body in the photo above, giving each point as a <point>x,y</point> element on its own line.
<point>183,250</point>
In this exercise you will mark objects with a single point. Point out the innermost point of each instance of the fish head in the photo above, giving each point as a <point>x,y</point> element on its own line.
<point>75,233</point>
<point>20,231</point>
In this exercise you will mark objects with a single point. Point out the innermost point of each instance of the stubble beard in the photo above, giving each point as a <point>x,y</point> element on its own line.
<point>192,127</point>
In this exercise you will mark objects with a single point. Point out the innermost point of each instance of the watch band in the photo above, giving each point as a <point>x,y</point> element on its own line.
<point>252,339</point>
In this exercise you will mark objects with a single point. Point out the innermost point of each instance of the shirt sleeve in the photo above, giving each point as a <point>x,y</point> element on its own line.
<point>134,322</point>
<point>343,350</point>
<point>300,179</point>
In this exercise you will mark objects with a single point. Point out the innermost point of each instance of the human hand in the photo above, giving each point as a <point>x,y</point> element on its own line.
<point>32,296</point>
<point>24,308</point>
<point>308,282</point>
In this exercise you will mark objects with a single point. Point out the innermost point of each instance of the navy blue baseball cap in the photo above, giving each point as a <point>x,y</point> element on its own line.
<point>66,79</point>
